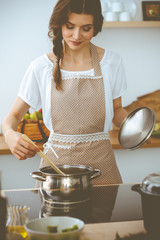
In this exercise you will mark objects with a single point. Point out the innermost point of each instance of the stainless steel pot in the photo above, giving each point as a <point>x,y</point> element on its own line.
<point>72,188</point>
<point>149,190</point>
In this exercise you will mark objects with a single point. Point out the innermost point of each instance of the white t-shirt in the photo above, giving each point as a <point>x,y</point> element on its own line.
<point>35,88</point>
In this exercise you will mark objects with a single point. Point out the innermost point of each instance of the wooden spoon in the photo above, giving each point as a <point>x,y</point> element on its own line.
<point>42,155</point>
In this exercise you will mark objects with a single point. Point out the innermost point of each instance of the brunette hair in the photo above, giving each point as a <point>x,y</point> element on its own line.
<point>59,16</point>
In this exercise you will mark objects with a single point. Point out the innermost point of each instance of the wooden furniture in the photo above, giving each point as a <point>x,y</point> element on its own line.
<point>108,231</point>
<point>132,24</point>
<point>151,100</point>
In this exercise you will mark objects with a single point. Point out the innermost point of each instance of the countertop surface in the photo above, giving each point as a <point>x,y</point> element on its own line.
<point>108,231</point>
<point>112,209</point>
<point>155,142</point>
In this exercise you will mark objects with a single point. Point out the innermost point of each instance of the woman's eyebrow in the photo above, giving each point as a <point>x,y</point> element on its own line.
<point>70,23</point>
<point>86,25</point>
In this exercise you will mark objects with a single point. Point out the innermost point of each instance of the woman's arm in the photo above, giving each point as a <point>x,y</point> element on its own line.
<point>19,147</point>
<point>119,112</point>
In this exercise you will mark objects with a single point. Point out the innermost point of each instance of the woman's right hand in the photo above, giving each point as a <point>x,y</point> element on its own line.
<point>20,148</point>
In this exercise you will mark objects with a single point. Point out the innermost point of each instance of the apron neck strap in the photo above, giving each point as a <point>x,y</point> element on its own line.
<point>95,60</point>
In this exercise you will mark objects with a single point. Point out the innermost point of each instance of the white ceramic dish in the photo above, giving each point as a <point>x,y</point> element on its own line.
<point>124,17</point>
<point>37,228</point>
<point>131,7</point>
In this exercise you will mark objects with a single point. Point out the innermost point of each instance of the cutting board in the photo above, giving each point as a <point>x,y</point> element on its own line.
<point>107,231</point>
<point>151,100</point>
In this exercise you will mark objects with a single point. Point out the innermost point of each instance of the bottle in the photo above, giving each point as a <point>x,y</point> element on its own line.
<point>17,218</point>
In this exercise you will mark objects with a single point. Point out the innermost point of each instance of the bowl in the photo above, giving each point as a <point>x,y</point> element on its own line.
<point>55,228</point>
<point>137,128</point>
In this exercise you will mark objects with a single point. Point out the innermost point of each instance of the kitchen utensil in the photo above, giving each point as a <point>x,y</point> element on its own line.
<point>42,155</point>
<point>39,228</point>
<point>149,190</point>
<point>70,189</point>
<point>137,128</point>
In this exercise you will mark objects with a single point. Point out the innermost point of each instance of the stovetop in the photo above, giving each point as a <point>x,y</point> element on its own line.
<point>106,204</point>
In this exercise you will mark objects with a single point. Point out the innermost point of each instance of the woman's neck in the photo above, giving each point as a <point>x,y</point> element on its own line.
<point>77,60</point>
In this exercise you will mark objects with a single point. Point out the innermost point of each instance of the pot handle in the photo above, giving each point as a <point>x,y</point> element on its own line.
<point>95,173</point>
<point>136,188</point>
<point>38,176</point>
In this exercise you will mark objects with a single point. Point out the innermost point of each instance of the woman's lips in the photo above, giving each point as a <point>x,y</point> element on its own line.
<point>76,43</point>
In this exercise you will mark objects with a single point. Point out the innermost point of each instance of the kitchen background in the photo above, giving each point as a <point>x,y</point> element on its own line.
<point>23,37</point>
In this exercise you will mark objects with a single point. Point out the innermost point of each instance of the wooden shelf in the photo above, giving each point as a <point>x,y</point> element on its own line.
<point>132,24</point>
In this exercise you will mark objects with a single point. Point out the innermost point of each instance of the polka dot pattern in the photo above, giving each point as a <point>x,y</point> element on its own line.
<point>80,109</point>
<point>98,155</point>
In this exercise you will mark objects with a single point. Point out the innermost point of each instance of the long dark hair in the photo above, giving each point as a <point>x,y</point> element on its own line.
<point>59,16</point>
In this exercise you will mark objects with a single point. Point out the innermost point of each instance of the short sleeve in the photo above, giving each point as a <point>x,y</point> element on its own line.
<point>119,84</point>
<point>29,88</point>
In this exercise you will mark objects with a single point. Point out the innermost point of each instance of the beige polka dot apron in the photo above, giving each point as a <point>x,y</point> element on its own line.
<point>78,117</point>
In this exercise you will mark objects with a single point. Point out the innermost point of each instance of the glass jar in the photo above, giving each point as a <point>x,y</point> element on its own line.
<point>17,218</point>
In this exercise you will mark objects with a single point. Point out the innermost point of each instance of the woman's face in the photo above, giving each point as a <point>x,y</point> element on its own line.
<point>78,30</point>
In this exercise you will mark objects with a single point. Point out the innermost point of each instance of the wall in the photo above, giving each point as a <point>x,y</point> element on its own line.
<point>24,28</point>
<point>133,165</point>
<point>23,36</point>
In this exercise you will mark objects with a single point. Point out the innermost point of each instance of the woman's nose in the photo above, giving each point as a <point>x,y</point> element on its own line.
<point>76,34</point>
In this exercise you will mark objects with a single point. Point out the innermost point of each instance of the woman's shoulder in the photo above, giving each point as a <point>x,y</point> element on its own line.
<point>51,57</point>
<point>108,56</point>
<point>40,63</point>
<point>111,57</point>
<point>101,52</point>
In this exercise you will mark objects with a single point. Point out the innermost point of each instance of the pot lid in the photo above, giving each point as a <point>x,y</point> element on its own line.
<point>136,128</point>
<point>151,184</point>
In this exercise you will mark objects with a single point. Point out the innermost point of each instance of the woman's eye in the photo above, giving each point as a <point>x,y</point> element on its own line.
<point>87,29</point>
<point>69,26</point>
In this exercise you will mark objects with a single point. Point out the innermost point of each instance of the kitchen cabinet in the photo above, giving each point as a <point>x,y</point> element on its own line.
<point>132,24</point>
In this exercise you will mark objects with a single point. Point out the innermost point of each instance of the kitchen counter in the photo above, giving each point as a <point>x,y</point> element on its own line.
<point>108,231</point>
<point>111,209</point>
<point>155,142</point>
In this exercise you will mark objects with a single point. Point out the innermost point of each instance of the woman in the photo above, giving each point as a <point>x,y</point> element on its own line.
<point>79,88</point>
